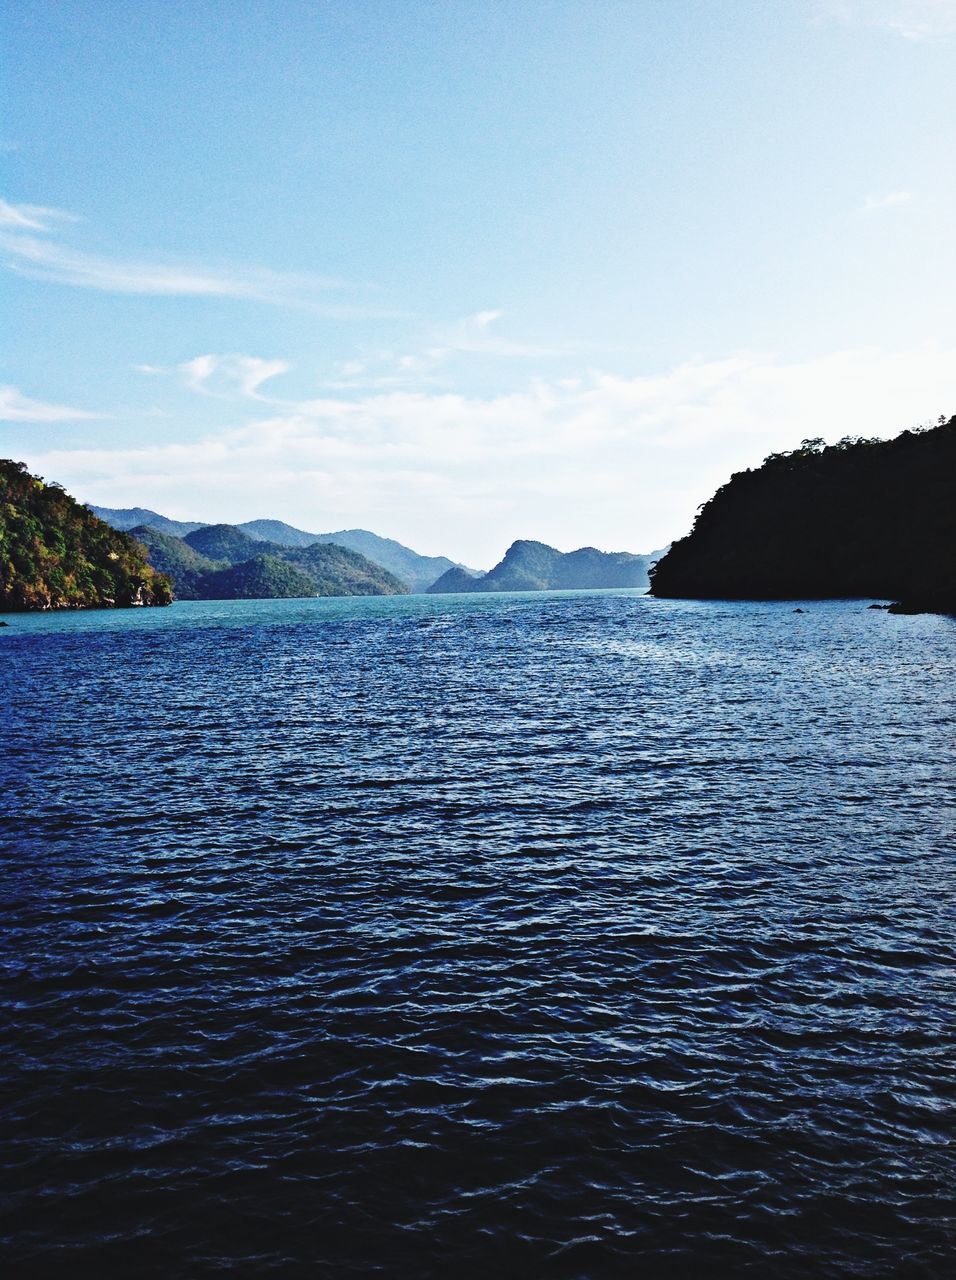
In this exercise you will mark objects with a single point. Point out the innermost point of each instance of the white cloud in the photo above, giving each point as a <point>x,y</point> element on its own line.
<point>620,463</point>
<point>872,203</point>
<point>225,374</point>
<point>15,407</point>
<point>428,365</point>
<point>482,319</point>
<point>914,20</point>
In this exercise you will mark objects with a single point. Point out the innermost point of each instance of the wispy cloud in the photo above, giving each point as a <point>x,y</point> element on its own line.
<point>914,20</point>
<point>32,217</point>
<point>224,377</point>
<point>227,374</point>
<point>872,203</point>
<point>16,407</point>
<point>474,335</point>
<point>45,257</point>
<point>618,462</point>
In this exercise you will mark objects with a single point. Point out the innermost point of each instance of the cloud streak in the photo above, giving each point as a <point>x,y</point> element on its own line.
<point>31,217</point>
<point>872,203</point>
<point>31,249</point>
<point>914,20</point>
<point>471,336</point>
<point>16,407</point>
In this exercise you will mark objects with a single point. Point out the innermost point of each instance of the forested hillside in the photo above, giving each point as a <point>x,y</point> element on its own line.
<point>55,554</point>
<point>220,562</point>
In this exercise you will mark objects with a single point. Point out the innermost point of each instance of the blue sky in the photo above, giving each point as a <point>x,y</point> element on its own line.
<point>469,271</point>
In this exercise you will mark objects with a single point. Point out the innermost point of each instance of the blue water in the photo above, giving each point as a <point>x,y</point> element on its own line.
<point>574,935</point>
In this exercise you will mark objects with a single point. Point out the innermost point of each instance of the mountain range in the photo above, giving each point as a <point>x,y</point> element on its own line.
<point>192,552</point>
<point>220,561</point>
<point>418,572</point>
<point>534,566</point>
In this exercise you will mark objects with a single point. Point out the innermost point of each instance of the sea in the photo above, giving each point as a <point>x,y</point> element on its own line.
<point>578,935</point>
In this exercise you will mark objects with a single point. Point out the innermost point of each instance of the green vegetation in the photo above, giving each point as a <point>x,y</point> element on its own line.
<point>177,560</point>
<point>225,542</point>
<point>55,554</point>
<point>860,518</point>
<point>533,566</point>
<point>337,571</point>
<point>262,578</point>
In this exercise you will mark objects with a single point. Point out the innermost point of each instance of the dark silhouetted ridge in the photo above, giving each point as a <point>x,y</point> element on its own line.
<point>860,518</point>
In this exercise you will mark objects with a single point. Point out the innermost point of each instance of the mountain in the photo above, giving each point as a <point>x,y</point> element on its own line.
<point>240,567</point>
<point>56,554</point>
<point>177,560</point>
<point>417,571</point>
<point>225,542</point>
<point>261,578</point>
<point>452,581</point>
<point>285,535</point>
<point>338,571</point>
<point>534,566</point>
<point>860,518</point>
<point>128,518</point>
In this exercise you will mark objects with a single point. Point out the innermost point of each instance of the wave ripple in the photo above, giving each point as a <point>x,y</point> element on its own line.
<point>574,936</point>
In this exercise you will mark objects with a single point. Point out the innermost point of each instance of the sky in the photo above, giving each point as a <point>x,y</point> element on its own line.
<point>468,271</point>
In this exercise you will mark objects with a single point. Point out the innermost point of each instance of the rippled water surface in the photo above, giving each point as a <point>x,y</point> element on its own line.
<point>558,935</point>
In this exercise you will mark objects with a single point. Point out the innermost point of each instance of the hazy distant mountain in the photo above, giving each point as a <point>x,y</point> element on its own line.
<point>454,580</point>
<point>534,566</point>
<point>127,518</point>
<point>278,531</point>
<point>220,562</point>
<point>417,571</point>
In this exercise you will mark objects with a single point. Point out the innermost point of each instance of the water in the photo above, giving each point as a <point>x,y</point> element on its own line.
<point>575,935</point>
